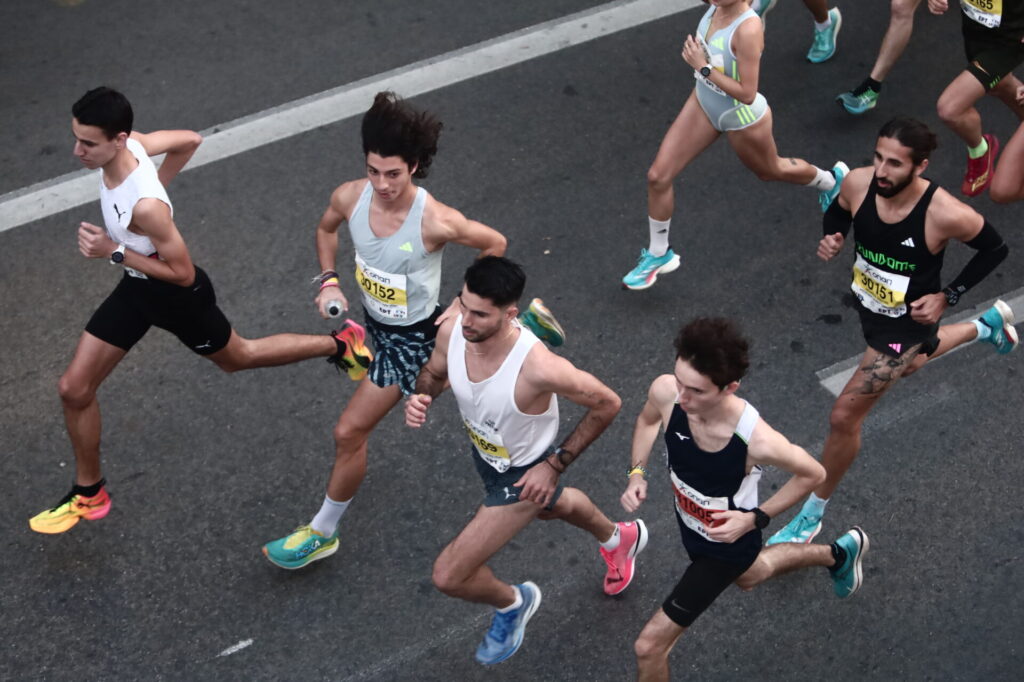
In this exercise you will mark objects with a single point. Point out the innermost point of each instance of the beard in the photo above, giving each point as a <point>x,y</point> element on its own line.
<point>889,191</point>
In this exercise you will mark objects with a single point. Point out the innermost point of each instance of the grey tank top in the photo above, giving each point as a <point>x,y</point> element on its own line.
<point>398,279</point>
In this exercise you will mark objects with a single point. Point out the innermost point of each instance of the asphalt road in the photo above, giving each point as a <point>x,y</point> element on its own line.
<point>205,467</point>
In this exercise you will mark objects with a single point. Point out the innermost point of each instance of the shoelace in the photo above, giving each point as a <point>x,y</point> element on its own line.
<point>607,556</point>
<point>501,625</point>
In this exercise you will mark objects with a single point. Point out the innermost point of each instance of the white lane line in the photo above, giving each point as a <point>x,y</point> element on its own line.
<point>74,189</point>
<point>235,648</point>
<point>834,378</point>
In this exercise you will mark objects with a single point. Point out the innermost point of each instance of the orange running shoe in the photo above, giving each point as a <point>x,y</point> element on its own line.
<point>69,510</point>
<point>354,357</point>
<point>980,170</point>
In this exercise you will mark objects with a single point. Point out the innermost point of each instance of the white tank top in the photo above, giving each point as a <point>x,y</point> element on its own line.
<point>118,203</point>
<point>501,434</point>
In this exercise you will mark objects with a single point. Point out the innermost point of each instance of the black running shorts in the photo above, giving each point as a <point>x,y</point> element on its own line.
<point>190,313</point>
<point>499,485</point>
<point>894,337</point>
<point>705,578</point>
<point>991,53</point>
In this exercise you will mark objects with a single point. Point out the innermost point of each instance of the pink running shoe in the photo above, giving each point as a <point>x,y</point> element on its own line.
<point>622,560</point>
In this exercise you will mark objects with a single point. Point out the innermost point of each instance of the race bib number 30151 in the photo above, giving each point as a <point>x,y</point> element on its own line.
<point>878,290</point>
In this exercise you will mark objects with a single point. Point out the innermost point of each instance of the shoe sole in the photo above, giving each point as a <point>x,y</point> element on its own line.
<point>71,522</point>
<point>668,267</point>
<point>991,171</point>
<point>641,545</point>
<point>1006,313</point>
<point>547,319</point>
<point>322,553</point>
<point>521,635</point>
<point>854,112</point>
<point>835,40</point>
<point>858,561</point>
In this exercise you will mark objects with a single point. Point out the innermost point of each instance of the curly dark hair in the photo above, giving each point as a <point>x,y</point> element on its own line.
<point>714,347</point>
<point>392,127</point>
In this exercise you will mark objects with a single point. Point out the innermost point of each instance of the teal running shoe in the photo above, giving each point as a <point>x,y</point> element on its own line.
<point>763,10</point>
<point>858,104</point>
<point>539,320</point>
<point>824,45</point>
<point>802,529</point>
<point>507,629</point>
<point>999,318</point>
<point>647,269</point>
<point>825,199</point>
<point>302,547</point>
<point>848,576</point>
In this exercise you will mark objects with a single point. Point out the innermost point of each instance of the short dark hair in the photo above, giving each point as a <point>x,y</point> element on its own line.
<point>911,133</point>
<point>497,279</point>
<point>392,127</point>
<point>714,347</point>
<point>105,108</point>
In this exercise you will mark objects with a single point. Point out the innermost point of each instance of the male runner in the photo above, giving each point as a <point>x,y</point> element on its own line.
<point>992,32</point>
<point>901,225</point>
<point>901,24</point>
<point>827,23</point>
<point>506,385</point>
<point>160,286</point>
<point>399,232</point>
<point>716,445</point>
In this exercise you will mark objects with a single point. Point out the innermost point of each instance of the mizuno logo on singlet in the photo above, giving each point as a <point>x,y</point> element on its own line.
<point>406,247</point>
<point>681,436</point>
<point>909,241</point>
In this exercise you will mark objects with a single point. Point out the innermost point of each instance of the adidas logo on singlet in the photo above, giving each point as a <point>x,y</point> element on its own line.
<point>406,247</point>
<point>909,241</point>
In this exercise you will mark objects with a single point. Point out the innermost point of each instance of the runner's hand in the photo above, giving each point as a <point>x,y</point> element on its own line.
<point>328,294</point>
<point>538,484</point>
<point>450,313</point>
<point>416,410</point>
<point>938,6</point>
<point>731,525</point>
<point>929,308</point>
<point>830,245</point>
<point>636,493</point>
<point>93,241</point>
<point>1020,90</point>
<point>693,53</point>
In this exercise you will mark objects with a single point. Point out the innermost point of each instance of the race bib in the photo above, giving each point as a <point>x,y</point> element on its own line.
<point>695,508</point>
<point>879,291</point>
<point>988,13</point>
<point>384,293</point>
<point>489,445</point>
<point>132,272</point>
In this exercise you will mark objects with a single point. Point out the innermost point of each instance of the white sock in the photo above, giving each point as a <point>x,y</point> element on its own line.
<point>814,506</point>
<point>984,331</point>
<point>612,542</point>
<point>823,25</point>
<point>823,180</point>
<point>514,605</point>
<point>659,237</point>
<point>326,520</point>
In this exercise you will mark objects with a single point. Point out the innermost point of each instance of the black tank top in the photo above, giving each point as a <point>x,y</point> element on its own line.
<point>893,265</point>
<point>708,481</point>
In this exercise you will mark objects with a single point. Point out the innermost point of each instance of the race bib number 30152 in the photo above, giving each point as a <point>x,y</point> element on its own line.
<point>384,293</point>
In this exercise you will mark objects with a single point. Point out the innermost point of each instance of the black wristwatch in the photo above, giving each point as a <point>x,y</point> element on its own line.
<point>761,520</point>
<point>705,70</point>
<point>952,296</point>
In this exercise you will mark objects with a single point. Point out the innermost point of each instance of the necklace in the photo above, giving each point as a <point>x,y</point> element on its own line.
<point>473,352</point>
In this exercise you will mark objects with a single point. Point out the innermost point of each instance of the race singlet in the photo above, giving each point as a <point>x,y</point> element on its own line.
<point>988,13</point>
<point>717,62</point>
<point>879,291</point>
<point>489,445</point>
<point>694,508</point>
<point>384,293</point>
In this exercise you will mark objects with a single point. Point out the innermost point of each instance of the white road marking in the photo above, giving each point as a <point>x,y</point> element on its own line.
<point>236,648</point>
<point>223,141</point>
<point>834,378</point>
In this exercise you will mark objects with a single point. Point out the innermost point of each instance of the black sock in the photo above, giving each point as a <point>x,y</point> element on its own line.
<point>839,554</point>
<point>868,84</point>
<point>341,347</point>
<point>88,490</point>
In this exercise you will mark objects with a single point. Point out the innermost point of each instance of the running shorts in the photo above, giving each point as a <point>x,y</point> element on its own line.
<point>705,578</point>
<point>894,337</point>
<point>499,485</point>
<point>399,353</point>
<point>190,313</point>
<point>991,53</point>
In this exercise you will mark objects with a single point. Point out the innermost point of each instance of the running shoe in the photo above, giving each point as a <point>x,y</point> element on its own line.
<point>858,104</point>
<point>999,318</point>
<point>507,629</point>
<point>302,547</point>
<point>353,356</point>
<point>824,45</point>
<point>622,560</point>
<point>539,320</point>
<point>825,198</point>
<point>848,576</point>
<point>647,269</point>
<point>70,510</point>
<point>801,530</point>
<point>763,10</point>
<point>980,170</point>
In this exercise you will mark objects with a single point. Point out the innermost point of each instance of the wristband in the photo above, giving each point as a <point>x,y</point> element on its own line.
<point>637,469</point>
<point>553,466</point>
<point>324,276</point>
<point>332,282</point>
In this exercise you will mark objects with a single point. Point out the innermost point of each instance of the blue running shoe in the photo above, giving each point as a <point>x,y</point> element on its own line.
<point>802,529</point>
<point>848,576</point>
<point>763,10</point>
<point>539,320</point>
<point>302,547</point>
<point>647,269</point>
<point>858,104</point>
<point>507,629</point>
<point>824,45</point>
<point>825,199</point>
<point>999,318</point>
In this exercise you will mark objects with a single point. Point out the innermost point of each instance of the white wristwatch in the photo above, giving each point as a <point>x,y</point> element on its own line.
<point>117,258</point>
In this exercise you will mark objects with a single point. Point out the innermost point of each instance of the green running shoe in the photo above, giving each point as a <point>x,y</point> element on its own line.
<point>858,104</point>
<point>762,11</point>
<point>302,547</point>
<point>541,321</point>
<point>802,529</point>
<point>999,318</point>
<point>848,576</point>
<point>824,45</point>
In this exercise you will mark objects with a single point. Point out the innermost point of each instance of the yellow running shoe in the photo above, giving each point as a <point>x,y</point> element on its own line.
<point>68,512</point>
<point>353,356</point>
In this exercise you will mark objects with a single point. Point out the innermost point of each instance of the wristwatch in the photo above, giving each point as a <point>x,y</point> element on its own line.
<point>117,258</point>
<point>761,520</point>
<point>705,70</point>
<point>952,296</point>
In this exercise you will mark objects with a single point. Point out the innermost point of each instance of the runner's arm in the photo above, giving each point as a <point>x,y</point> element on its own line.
<point>178,145</point>
<point>768,447</point>
<point>432,379</point>
<point>338,209</point>
<point>648,425</point>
